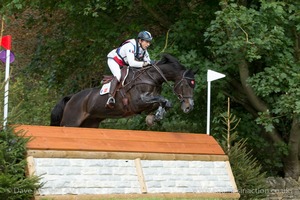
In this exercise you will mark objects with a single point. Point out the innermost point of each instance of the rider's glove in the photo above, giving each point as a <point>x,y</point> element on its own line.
<point>146,63</point>
<point>152,62</point>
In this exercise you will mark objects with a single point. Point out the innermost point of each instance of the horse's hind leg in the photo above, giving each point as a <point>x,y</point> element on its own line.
<point>91,123</point>
<point>73,117</point>
<point>72,121</point>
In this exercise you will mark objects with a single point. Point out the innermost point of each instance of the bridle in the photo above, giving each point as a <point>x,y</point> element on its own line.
<point>180,96</point>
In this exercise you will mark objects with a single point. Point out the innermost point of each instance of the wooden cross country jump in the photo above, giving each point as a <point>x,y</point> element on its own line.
<point>88,163</point>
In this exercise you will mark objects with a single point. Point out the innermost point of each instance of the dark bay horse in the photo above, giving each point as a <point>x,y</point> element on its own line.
<point>140,93</point>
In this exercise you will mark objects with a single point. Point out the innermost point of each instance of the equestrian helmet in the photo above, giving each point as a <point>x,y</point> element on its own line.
<point>145,35</point>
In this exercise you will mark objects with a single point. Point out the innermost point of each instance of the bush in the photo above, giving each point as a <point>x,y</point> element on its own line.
<point>14,185</point>
<point>250,180</point>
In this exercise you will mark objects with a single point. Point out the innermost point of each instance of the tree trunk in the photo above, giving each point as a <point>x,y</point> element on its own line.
<point>254,100</point>
<point>291,162</point>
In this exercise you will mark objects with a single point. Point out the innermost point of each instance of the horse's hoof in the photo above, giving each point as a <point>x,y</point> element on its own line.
<point>150,120</point>
<point>168,104</point>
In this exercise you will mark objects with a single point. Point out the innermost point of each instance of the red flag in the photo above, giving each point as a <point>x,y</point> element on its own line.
<point>6,42</point>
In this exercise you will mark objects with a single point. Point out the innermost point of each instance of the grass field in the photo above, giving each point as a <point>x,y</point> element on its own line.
<point>179,198</point>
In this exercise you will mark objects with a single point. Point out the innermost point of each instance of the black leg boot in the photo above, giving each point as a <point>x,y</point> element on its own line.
<point>112,91</point>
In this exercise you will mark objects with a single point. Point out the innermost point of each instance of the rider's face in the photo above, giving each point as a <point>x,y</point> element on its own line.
<point>144,44</point>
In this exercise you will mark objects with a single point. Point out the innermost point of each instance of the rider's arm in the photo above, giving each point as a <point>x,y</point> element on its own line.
<point>129,51</point>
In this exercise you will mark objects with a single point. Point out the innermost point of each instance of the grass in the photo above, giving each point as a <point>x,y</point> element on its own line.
<point>151,198</point>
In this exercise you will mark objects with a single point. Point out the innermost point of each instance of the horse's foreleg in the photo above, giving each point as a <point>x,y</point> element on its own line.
<point>159,115</point>
<point>163,102</point>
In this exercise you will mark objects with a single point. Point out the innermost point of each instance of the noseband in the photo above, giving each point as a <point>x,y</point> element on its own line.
<point>181,97</point>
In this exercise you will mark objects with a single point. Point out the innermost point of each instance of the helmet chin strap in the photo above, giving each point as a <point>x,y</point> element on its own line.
<point>140,43</point>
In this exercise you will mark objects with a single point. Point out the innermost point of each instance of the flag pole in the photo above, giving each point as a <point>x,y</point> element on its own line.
<point>208,108</point>
<point>6,88</point>
<point>6,43</point>
<point>211,76</point>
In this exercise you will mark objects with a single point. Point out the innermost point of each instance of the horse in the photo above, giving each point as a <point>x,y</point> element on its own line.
<point>140,92</point>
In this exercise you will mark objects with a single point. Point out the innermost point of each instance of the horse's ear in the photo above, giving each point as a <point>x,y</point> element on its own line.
<point>163,60</point>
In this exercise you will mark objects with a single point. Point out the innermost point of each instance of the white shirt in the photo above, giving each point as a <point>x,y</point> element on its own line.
<point>128,51</point>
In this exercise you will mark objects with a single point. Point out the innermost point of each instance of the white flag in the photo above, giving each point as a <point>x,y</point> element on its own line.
<point>212,75</point>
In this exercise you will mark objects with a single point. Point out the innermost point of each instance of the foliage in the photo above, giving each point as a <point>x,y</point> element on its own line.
<point>31,102</point>
<point>258,46</point>
<point>246,169</point>
<point>14,185</point>
<point>73,38</point>
<point>247,172</point>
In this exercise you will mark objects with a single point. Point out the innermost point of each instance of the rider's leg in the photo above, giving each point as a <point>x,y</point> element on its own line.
<point>112,91</point>
<point>115,70</point>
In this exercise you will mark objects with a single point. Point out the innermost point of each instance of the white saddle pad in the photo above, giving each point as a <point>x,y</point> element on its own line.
<point>105,89</point>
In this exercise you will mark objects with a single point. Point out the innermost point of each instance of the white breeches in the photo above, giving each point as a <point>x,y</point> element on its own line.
<point>114,68</point>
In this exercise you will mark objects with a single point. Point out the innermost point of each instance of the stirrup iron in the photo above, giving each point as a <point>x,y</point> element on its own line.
<point>111,100</point>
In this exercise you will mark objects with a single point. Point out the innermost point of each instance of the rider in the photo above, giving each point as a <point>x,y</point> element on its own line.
<point>132,53</point>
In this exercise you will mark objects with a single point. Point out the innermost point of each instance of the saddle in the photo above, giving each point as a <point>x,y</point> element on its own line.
<point>108,78</point>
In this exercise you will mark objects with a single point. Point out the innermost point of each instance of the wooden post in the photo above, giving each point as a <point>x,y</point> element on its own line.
<point>140,174</point>
<point>30,166</point>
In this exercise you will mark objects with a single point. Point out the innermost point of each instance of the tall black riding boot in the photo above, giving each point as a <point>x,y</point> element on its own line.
<point>112,91</point>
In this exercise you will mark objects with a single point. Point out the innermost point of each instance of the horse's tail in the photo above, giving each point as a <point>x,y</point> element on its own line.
<point>58,110</point>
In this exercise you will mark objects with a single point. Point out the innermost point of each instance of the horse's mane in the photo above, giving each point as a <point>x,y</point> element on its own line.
<point>168,58</point>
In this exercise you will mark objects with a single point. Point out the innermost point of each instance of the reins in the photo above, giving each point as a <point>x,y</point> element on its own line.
<point>161,74</point>
<point>180,96</point>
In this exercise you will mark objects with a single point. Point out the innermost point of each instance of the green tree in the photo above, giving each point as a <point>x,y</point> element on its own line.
<point>245,167</point>
<point>257,46</point>
<point>255,43</point>
<point>14,184</point>
<point>73,40</point>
